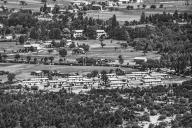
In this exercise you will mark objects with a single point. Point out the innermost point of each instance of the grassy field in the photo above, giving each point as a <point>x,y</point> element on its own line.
<point>123,14</point>
<point>22,71</point>
<point>9,46</point>
<point>33,4</point>
<point>96,51</point>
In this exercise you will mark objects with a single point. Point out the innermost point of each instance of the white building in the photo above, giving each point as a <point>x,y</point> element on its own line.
<point>45,17</point>
<point>100,33</point>
<point>121,2</point>
<point>140,60</point>
<point>36,46</point>
<point>80,2</point>
<point>160,75</point>
<point>97,7</point>
<point>1,25</point>
<point>151,81</point>
<point>77,33</point>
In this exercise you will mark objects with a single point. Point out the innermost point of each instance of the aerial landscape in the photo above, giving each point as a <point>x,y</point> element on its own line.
<point>96,64</point>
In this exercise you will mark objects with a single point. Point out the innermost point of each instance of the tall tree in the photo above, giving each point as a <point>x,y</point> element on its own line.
<point>28,59</point>
<point>10,77</point>
<point>121,60</point>
<point>142,19</point>
<point>51,59</point>
<point>104,78</point>
<point>63,52</point>
<point>55,33</point>
<point>21,40</point>
<point>17,57</point>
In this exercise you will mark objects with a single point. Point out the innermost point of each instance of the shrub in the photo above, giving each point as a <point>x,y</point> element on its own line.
<point>161,6</point>
<point>144,6</point>
<point>153,6</point>
<point>129,7</point>
<point>162,117</point>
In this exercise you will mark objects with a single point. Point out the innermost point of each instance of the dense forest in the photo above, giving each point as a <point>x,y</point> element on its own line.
<point>96,108</point>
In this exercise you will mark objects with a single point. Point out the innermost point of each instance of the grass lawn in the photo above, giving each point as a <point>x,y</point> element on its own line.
<point>9,46</point>
<point>96,51</point>
<point>108,51</point>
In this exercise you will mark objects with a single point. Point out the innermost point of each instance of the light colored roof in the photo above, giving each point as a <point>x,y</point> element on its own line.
<point>38,71</point>
<point>114,79</point>
<point>158,74</point>
<point>78,31</point>
<point>148,77</point>
<point>75,77</point>
<point>152,80</point>
<point>31,81</point>
<point>140,58</point>
<point>27,45</point>
<point>100,31</point>
<point>139,72</point>
<point>96,5</point>
<point>47,43</point>
<point>39,78</point>
<point>141,26</point>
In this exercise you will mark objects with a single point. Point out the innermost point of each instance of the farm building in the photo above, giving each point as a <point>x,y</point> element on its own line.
<point>140,60</point>
<point>100,33</point>
<point>97,7</point>
<point>34,46</point>
<point>80,2</point>
<point>129,1</point>
<point>77,33</point>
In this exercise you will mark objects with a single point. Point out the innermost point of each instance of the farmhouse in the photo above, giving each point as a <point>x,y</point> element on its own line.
<point>97,7</point>
<point>47,45</point>
<point>129,1</point>
<point>77,33</point>
<point>45,17</point>
<point>80,2</point>
<point>35,46</point>
<point>140,60</point>
<point>100,33</point>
